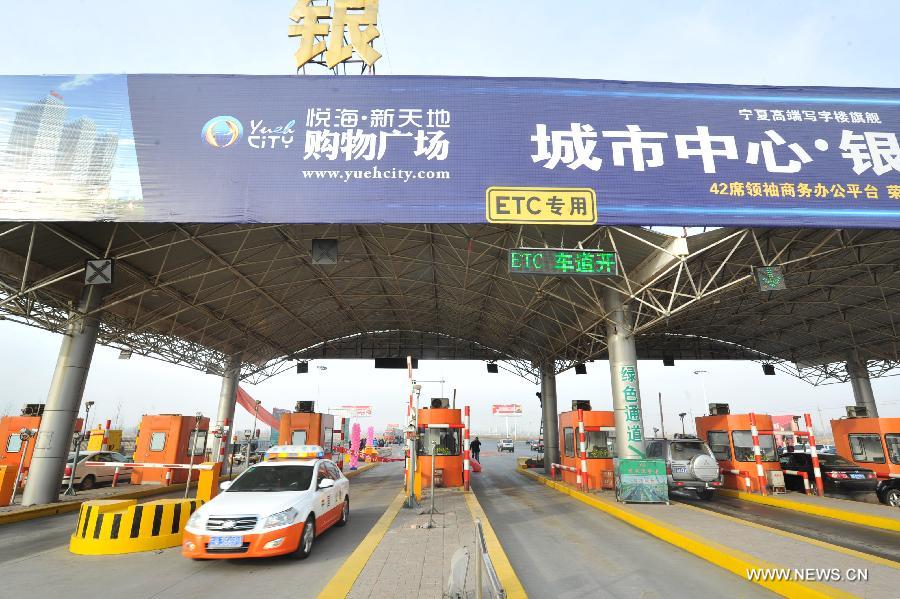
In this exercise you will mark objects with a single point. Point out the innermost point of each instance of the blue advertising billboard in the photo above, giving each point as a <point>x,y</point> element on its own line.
<point>384,149</point>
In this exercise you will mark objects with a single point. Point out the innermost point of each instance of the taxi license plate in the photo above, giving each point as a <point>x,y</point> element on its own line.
<point>857,475</point>
<point>680,469</point>
<point>225,542</point>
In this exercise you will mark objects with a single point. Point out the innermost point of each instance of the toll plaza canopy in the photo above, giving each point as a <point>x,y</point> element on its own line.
<point>207,192</point>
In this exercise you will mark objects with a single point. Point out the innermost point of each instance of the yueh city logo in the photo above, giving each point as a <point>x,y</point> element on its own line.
<point>222,131</point>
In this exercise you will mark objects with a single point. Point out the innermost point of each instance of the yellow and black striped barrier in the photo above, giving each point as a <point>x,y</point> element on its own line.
<point>110,526</point>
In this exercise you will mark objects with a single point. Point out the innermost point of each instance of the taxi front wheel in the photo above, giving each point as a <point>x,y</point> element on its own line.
<point>307,538</point>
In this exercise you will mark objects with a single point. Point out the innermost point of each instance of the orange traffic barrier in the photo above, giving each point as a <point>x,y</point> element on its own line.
<point>208,483</point>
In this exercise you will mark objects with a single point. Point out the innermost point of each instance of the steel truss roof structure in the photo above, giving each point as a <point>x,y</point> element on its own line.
<point>195,294</point>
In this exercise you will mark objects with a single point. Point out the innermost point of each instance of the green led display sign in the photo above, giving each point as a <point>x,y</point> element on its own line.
<point>770,278</point>
<point>557,262</point>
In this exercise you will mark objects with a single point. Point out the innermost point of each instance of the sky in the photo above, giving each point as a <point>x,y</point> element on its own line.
<point>761,42</point>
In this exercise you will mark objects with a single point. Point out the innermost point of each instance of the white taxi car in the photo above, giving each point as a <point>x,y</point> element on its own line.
<point>275,507</point>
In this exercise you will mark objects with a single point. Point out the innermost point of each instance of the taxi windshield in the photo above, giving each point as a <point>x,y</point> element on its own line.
<point>264,478</point>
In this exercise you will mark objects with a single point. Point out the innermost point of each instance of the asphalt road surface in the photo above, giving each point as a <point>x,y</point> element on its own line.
<point>874,541</point>
<point>35,558</point>
<point>561,547</point>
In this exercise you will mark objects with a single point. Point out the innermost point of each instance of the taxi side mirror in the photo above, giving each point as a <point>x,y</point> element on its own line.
<point>224,485</point>
<point>326,483</point>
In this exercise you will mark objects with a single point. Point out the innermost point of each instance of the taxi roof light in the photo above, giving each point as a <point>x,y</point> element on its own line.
<point>294,452</point>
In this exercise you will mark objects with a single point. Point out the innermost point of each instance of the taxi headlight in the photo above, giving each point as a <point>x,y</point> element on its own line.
<point>196,520</point>
<point>281,518</point>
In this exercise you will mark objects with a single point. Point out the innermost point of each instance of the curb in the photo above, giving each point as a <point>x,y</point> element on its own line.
<point>789,535</point>
<point>360,470</point>
<point>505,572</point>
<point>892,524</point>
<point>734,561</point>
<point>342,581</point>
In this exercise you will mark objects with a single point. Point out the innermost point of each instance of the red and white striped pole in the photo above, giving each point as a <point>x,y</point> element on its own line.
<point>467,465</point>
<point>406,453</point>
<point>760,474</point>
<point>410,441</point>
<point>105,445</point>
<point>582,478</point>
<point>817,472</point>
<point>223,441</point>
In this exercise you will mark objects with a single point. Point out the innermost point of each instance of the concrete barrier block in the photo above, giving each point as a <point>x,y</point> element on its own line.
<point>107,527</point>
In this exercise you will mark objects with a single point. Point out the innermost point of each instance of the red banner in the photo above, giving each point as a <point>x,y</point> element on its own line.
<point>249,404</point>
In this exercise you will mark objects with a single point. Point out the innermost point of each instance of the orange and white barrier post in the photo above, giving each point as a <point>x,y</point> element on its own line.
<point>555,467</point>
<point>760,474</point>
<point>223,440</point>
<point>817,472</point>
<point>105,445</point>
<point>741,473</point>
<point>467,465</point>
<point>803,475</point>
<point>582,451</point>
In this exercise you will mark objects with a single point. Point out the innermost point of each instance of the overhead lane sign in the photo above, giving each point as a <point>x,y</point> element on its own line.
<point>557,262</point>
<point>549,206</point>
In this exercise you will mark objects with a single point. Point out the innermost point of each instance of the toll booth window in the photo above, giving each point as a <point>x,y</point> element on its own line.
<point>157,441</point>
<point>298,438</point>
<point>600,444</point>
<point>718,442</point>
<point>743,447</point>
<point>867,448</point>
<point>447,439</point>
<point>199,444</point>
<point>14,443</point>
<point>569,442</point>
<point>892,440</point>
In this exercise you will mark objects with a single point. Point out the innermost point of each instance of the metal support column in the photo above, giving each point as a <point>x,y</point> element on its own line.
<point>550,416</point>
<point>623,373</point>
<point>862,385</point>
<point>225,416</point>
<point>54,438</point>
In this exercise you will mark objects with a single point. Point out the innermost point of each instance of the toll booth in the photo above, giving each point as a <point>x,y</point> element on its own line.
<point>872,443</point>
<point>11,445</point>
<point>442,426</point>
<point>310,428</point>
<point>166,439</point>
<point>600,442</point>
<point>729,437</point>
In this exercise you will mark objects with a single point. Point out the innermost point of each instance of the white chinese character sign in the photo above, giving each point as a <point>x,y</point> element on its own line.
<point>462,150</point>
<point>329,33</point>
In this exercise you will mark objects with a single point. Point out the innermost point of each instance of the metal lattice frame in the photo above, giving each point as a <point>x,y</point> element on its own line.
<point>194,294</point>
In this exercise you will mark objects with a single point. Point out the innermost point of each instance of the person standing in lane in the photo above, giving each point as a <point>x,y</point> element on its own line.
<point>475,446</point>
